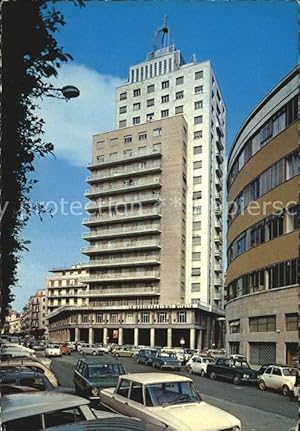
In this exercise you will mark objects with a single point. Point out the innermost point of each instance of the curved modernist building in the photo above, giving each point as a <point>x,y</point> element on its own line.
<point>263,229</point>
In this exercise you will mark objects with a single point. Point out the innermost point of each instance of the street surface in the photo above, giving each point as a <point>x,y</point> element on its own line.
<point>257,410</point>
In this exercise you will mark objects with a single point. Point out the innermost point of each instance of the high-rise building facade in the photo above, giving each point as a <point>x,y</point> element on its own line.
<point>263,231</point>
<point>156,209</point>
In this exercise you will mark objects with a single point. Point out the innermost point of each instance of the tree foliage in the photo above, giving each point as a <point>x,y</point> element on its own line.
<point>30,56</point>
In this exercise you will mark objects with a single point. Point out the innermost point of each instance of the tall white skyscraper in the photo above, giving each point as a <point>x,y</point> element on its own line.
<point>163,86</point>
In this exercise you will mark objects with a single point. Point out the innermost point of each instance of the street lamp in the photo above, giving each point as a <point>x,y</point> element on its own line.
<point>68,92</point>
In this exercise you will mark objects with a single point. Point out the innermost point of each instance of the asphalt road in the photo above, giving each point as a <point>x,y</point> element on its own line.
<point>257,410</point>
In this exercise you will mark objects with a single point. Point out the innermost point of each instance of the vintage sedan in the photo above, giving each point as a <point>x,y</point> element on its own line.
<point>278,378</point>
<point>125,352</point>
<point>198,365</point>
<point>43,410</point>
<point>53,350</point>
<point>145,356</point>
<point>90,349</point>
<point>164,360</point>
<point>166,401</point>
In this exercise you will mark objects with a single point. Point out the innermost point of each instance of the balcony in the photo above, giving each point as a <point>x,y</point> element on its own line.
<point>125,172</point>
<point>129,291</point>
<point>122,203</point>
<point>217,267</point>
<point>219,157</point>
<point>122,246</point>
<point>124,231</point>
<point>218,254</point>
<point>218,226</point>
<point>219,172</point>
<point>123,188</point>
<point>217,281</point>
<point>129,261</point>
<point>126,276</point>
<point>123,158</point>
<point>129,216</point>
<point>218,239</point>
<point>217,296</point>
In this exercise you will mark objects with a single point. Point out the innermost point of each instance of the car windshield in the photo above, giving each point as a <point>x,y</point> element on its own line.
<point>242,364</point>
<point>161,394</point>
<point>167,355</point>
<point>53,346</point>
<point>289,371</point>
<point>106,370</point>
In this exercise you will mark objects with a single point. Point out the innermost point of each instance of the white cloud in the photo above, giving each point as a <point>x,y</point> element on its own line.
<point>70,125</point>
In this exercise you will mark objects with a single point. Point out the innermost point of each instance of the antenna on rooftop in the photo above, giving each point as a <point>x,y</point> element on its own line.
<point>165,32</point>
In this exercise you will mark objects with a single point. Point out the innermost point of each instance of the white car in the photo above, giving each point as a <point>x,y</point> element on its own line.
<point>52,350</point>
<point>90,349</point>
<point>280,378</point>
<point>194,357</point>
<point>198,365</point>
<point>12,346</point>
<point>166,401</point>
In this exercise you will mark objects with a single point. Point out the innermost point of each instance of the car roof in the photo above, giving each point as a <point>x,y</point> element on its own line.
<point>17,406</point>
<point>100,361</point>
<point>117,423</point>
<point>149,378</point>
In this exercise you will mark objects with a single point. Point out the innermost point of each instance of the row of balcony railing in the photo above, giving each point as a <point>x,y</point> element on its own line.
<point>124,171</point>
<point>124,157</point>
<point>122,230</point>
<point>128,185</point>
<point>127,215</point>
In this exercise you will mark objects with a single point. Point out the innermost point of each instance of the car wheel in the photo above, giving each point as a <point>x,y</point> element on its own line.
<point>94,353</point>
<point>262,385</point>
<point>212,376</point>
<point>285,390</point>
<point>236,380</point>
<point>202,373</point>
<point>138,361</point>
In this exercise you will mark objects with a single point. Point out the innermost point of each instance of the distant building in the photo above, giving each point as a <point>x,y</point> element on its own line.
<point>33,317</point>
<point>12,323</point>
<point>263,231</point>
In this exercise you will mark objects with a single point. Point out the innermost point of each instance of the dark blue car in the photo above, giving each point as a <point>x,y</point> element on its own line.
<point>166,360</point>
<point>145,356</point>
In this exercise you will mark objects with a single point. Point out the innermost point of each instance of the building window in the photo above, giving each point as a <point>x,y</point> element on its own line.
<point>196,271</point>
<point>113,318</point>
<point>262,324</point>
<point>198,120</point>
<point>150,116</point>
<point>145,317</point>
<point>156,148</point>
<point>164,113</point>
<point>99,318</point>
<point>199,89</point>
<point>198,134</point>
<point>198,104</point>
<point>122,123</point>
<point>181,316</point>
<point>165,84</point>
<point>197,195</point>
<point>85,318</point>
<point>136,120</point>
<point>199,74</point>
<point>234,327</point>
<point>150,102</point>
<point>162,317</point>
<point>195,287</point>
<point>196,225</point>
<point>123,109</point>
<point>142,136</point>
<point>179,95</point>
<point>157,132</point>
<point>197,180</point>
<point>136,106</point>
<point>196,240</point>
<point>129,318</point>
<point>198,149</point>
<point>165,99</point>
<point>198,164</point>
<point>123,96</point>
<point>291,322</point>
<point>179,109</point>
<point>151,88</point>
<point>127,139</point>
<point>196,256</point>
<point>137,92</point>
<point>179,80</point>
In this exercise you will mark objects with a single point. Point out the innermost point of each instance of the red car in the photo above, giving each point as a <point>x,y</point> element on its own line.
<point>65,349</point>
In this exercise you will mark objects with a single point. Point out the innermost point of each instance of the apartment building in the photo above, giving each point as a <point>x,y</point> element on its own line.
<point>156,212</point>
<point>33,317</point>
<point>12,324</point>
<point>263,229</point>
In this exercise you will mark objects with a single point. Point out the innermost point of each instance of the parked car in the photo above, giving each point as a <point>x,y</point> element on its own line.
<point>44,410</point>
<point>15,346</point>
<point>8,389</point>
<point>155,398</point>
<point>15,354</point>
<point>164,360</point>
<point>90,349</point>
<point>52,350</point>
<point>38,346</point>
<point>294,394</point>
<point>279,378</point>
<point>32,364</point>
<point>235,370</point>
<point>93,374</point>
<point>126,352</point>
<point>145,356</point>
<point>65,349</point>
<point>198,365</point>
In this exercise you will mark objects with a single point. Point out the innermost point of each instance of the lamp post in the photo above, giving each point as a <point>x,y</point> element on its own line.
<point>68,92</point>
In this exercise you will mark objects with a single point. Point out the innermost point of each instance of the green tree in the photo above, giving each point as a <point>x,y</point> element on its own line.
<point>30,56</point>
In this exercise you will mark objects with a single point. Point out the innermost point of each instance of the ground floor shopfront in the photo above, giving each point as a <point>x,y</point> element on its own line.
<point>190,327</point>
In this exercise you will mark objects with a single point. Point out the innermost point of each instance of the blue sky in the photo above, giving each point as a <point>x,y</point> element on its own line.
<point>251,44</point>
